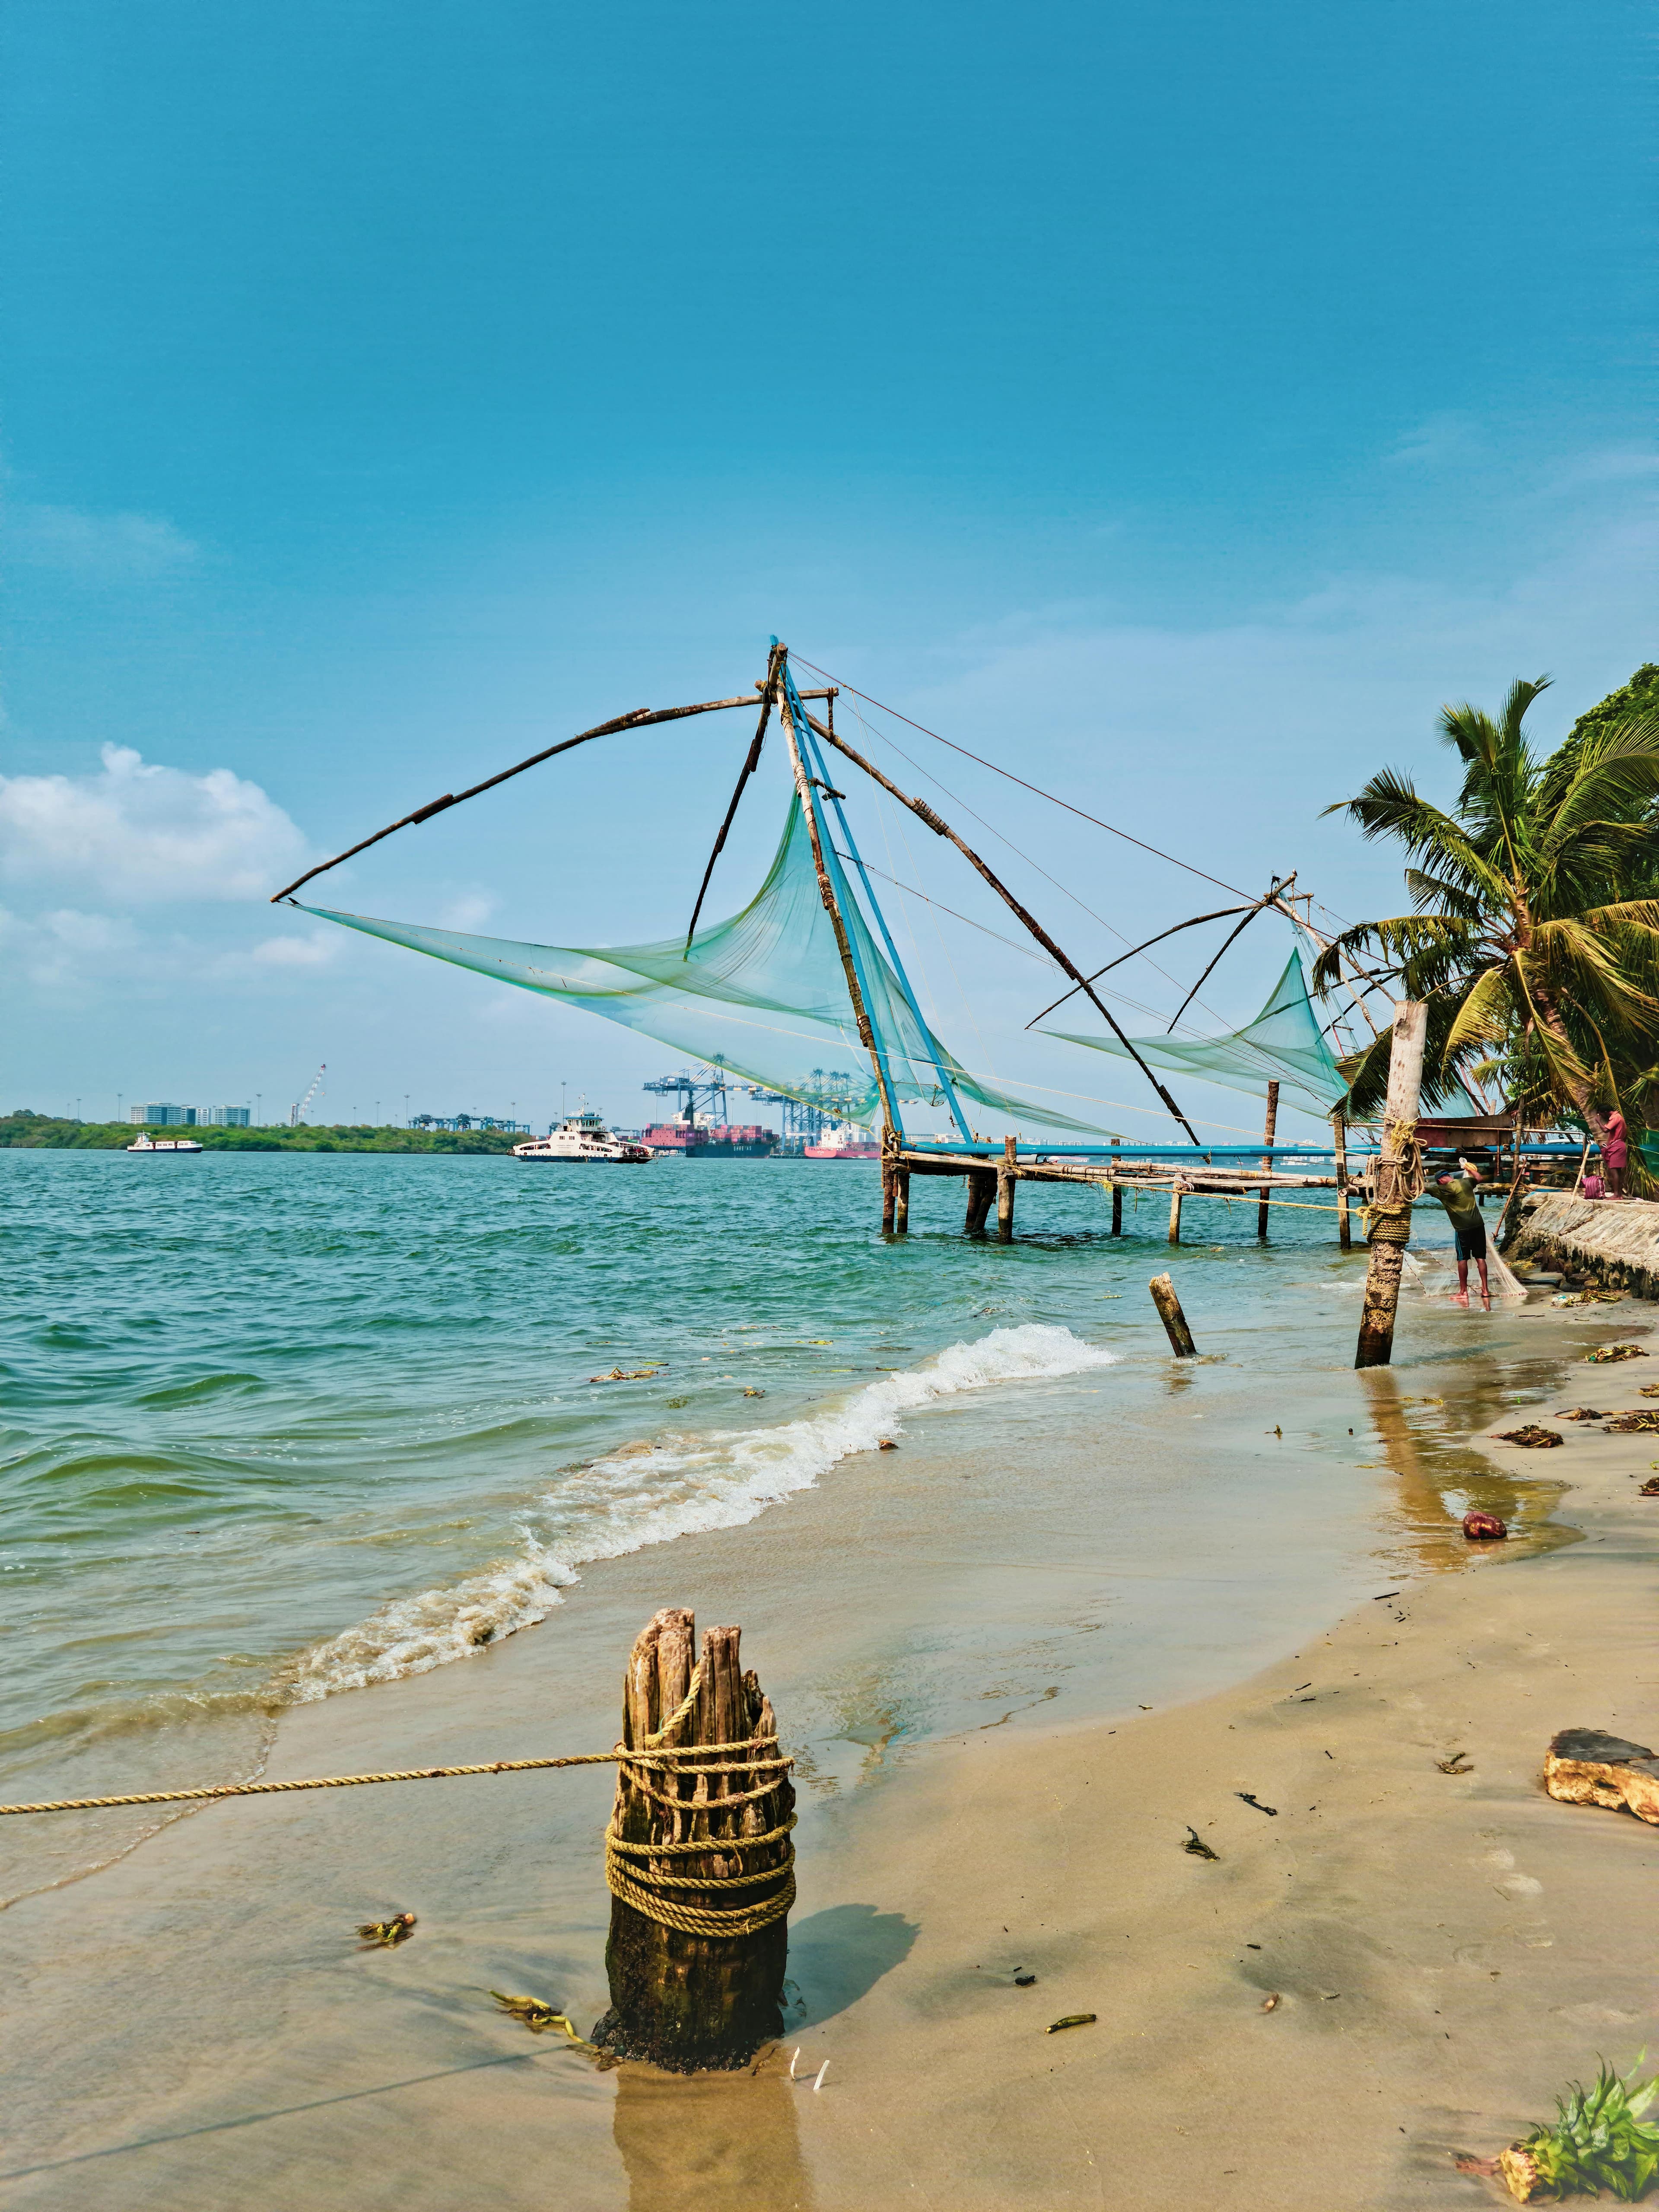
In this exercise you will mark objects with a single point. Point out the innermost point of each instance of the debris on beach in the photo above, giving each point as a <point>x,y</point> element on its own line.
<point>1580,1413</point>
<point>1457,1764</point>
<point>1586,1766</point>
<point>1605,1353</point>
<point>627,1375</point>
<point>750,1391</point>
<point>538,2018</point>
<point>1024,1981</point>
<point>1272,2004</point>
<point>1649,1390</point>
<point>1271,1811</point>
<point>1598,2140</point>
<point>388,1933</point>
<point>1480,1528</point>
<point>1071,2020</point>
<point>1196,1844</point>
<point>1531,1437</point>
<point>1644,1420</point>
<point>1650,1488</point>
<point>886,1444</point>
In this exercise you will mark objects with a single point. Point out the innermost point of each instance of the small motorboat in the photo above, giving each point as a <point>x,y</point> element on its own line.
<point>582,1139</point>
<point>165,1145</point>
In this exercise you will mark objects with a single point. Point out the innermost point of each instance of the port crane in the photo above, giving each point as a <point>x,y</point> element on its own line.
<point>297,1113</point>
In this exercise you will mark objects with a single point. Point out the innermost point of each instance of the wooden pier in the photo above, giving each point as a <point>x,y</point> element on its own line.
<point>990,1179</point>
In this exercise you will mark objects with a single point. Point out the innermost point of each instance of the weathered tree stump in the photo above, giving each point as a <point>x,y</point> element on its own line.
<point>982,1190</point>
<point>698,1855</point>
<point>1587,1767</point>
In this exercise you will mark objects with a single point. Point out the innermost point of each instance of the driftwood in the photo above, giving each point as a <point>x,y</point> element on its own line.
<point>686,1998</point>
<point>1584,1767</point>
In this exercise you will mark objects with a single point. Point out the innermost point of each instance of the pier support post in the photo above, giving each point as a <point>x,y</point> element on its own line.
<point>1175,1196</point>
<point>1339,1139</point>
<point>1269,1128</point>
<point>1397,1186</point>
<point>900,1201</point>
<point>1117,1197</point>
<point>982,1190</point>
<point>1175,1321</point>
<point>706,1994</point>
<point>1005,1192</point>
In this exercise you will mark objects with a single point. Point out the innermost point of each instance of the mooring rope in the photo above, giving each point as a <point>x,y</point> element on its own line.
<point>641,1886</point>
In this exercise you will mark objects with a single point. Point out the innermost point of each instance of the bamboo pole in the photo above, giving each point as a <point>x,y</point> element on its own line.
<point>1175,1321</point>
<point>1269,1128</point>
<point>1340,1142</point>
<point>1117,1197</point>
<point>1175,1195</point>
<point>1391,1209</point>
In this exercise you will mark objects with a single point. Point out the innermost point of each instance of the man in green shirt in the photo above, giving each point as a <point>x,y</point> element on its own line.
<point>1456,1193</point>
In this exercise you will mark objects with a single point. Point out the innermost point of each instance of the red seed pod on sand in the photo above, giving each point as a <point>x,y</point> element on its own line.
<point>1478,1527</point>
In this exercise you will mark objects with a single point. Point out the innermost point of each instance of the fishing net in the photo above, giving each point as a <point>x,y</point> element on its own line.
<point>764,994</point>
<point>1284,1043</point>
<point>1433,1270</point>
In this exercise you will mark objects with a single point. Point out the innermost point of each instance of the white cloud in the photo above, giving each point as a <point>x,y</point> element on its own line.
<point>60,950</point>
<point>1437,442</point>
<point>145,833</point>
<point>468,911</point>
<point>100,547</point>
<point>315,951</point>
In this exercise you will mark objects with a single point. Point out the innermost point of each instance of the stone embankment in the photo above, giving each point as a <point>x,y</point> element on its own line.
<point>1610,1243</point>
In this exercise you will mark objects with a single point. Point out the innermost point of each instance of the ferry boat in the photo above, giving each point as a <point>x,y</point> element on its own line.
<point>583,1138</point>
<point>845,1141</point>
<point>165,1145</point>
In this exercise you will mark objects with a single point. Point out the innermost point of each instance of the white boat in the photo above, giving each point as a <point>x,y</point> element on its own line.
<point>845,1141</point>
<point>165,1145</point>
<point>583,1138</point>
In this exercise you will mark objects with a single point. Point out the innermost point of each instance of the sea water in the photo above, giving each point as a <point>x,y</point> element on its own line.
<point>275,1426</point>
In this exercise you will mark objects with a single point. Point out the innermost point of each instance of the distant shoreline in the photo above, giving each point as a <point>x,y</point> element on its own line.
<point>48,1133</point>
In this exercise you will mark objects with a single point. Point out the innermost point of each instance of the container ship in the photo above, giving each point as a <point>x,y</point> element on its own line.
<point>703,1140</point>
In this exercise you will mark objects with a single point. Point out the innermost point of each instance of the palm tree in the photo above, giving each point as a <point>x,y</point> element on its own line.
<point>1535,937</point>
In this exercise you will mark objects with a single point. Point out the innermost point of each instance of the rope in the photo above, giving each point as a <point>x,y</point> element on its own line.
<point>1389,1220</point>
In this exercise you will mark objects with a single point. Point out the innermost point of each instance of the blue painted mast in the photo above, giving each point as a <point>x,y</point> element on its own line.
<point>832,857</point>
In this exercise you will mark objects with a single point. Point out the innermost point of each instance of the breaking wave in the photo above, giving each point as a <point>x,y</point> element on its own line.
<point>651,1492</point>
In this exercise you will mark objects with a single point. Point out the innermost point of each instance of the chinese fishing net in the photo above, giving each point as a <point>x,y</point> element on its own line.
<point>763,994</point>
<point>1284,1044</point>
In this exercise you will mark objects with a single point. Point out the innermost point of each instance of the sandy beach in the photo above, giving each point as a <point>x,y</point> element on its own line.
<point>192,2024</point>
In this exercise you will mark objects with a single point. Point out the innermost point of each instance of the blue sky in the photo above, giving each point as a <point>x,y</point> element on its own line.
<point>1176,403</point>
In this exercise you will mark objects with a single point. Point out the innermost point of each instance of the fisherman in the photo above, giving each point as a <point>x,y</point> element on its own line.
<point>1456,1193</point>
<point>1615,1150</point>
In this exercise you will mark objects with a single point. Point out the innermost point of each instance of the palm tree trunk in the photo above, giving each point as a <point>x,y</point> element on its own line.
<point>1595,1120</point>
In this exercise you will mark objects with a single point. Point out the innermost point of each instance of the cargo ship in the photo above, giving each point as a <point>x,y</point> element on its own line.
<point>704,1141</point>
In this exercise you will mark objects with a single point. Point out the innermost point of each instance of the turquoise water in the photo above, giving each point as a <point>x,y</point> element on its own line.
<point>274,1426</point>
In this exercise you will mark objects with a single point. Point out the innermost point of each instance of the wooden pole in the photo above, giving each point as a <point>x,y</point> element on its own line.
<point>683,2000</point>
<point>1391,1209</point>
<point>1175,1195</point>
<point>981,1189</point>
<point>889,1198</point>
<point>1268,1127</point>
<point>1117,1197</point>
<point>1339,1139</point>
<point>1005,1192</point>
<point>900,1201</point>
<point>1175,1321</point>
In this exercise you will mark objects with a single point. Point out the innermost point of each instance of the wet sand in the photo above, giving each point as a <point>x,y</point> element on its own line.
<point>192,2028</point>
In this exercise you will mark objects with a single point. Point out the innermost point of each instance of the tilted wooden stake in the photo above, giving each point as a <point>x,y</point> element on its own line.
<point>1396,1185</point>
<point>1175,1321</point>
<point>685,1998</point>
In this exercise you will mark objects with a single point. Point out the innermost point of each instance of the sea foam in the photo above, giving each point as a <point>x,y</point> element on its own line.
<point>674,1486</point>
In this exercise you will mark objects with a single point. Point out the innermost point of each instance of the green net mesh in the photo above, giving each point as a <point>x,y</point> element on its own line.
<point>764,993</point>
<point>1284,1043</point>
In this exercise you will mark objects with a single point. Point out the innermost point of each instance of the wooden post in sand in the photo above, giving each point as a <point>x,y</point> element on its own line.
<point>1117,1196</point>
<point>1397,1186</point>
<point>1267,1163</point>
<point>698,1856</point>
<point>1175,1321</point>
<point>1340,1137</point>
<point>1005,1191</point>
<point>1175,1196</point>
